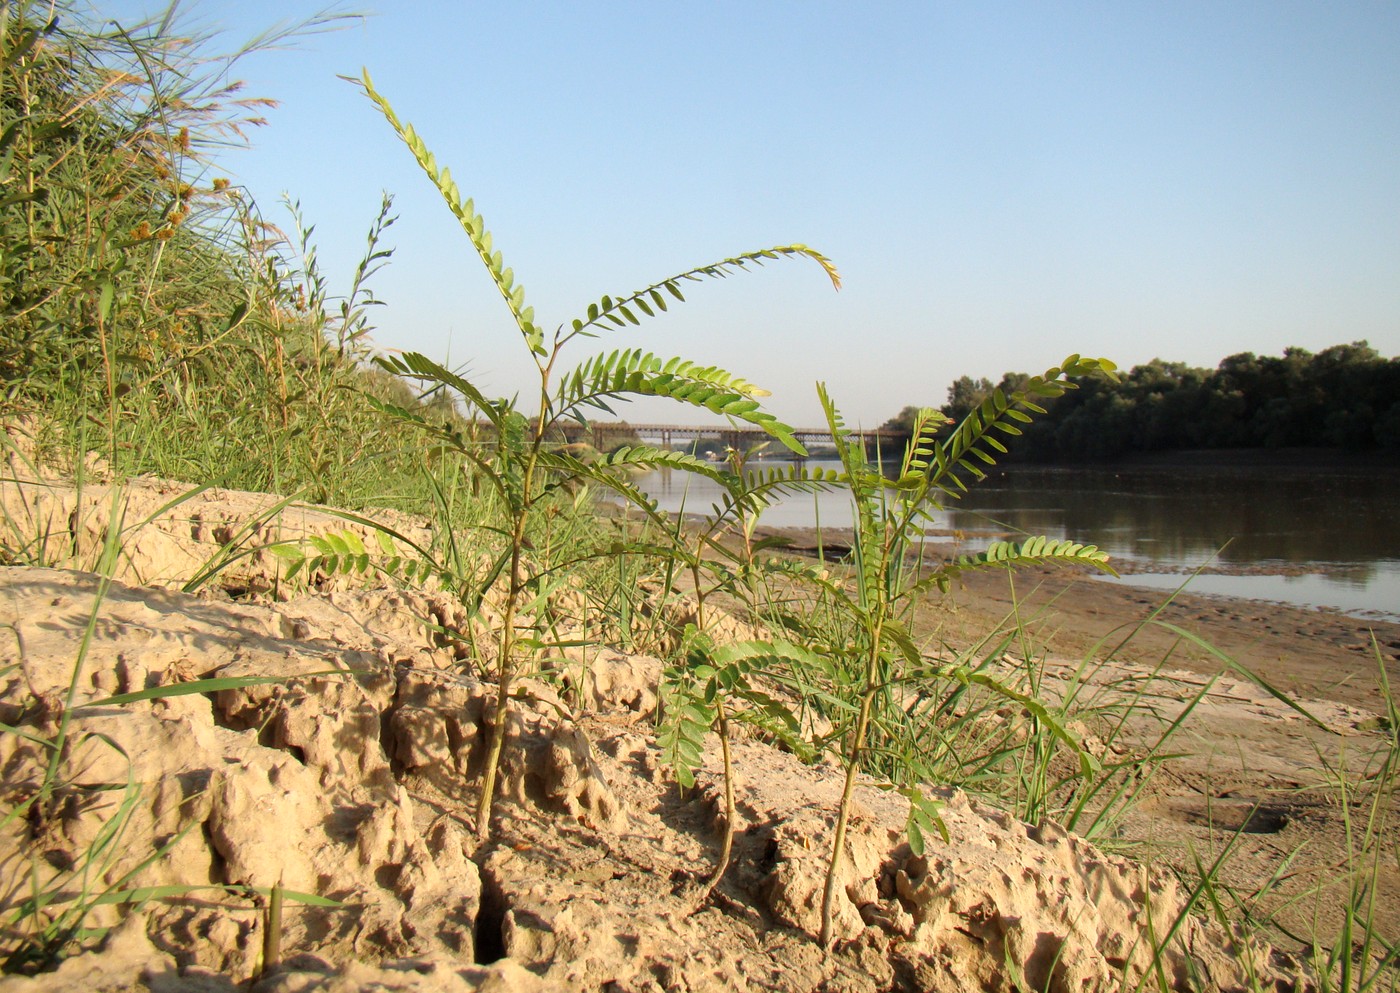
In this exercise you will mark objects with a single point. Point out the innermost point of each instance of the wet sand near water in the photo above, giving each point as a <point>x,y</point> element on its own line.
<point>1302,651</point>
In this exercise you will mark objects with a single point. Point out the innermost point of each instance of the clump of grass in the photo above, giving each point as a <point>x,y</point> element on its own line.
<point>1130,717</point>
<point>149,311</point>
<point>1351,945</point>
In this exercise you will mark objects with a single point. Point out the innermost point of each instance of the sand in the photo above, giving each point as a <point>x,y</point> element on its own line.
<point>360,788</point>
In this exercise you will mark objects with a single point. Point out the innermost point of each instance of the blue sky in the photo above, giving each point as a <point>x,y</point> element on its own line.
<point>1001,184</point>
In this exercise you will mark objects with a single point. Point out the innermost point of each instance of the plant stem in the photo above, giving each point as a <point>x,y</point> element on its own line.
<point>505,662</point>
<point>272,931</point>
<point>833,867</point>
<point>505,669</point>
<point>493,760</point>
<point>727,846</point>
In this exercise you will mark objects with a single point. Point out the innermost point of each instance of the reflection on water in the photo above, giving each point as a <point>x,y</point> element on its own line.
<point>1181,520</point>
<point>1321,540</point>
<point>1307,590</point>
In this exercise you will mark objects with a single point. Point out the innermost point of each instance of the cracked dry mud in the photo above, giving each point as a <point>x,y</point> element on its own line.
<point>359,787</point>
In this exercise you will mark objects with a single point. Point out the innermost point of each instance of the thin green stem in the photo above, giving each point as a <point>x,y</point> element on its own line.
<point>727,845</point>
<point>833,868</point>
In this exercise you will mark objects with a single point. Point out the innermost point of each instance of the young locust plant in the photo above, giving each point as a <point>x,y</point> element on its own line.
<point>880,660</point>
<point>873,667</point>
<point>700,695</point>
<point>513,453</point>
<point>717,685</point>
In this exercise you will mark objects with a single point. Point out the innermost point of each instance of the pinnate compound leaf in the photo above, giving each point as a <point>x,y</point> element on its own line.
<point>465,212</point>
<point>686,720</point>
<point>633,372</point>
<point>1039,550</point>
<point>617,310</point>
<point>923,816</point>
<point>972,437</point>
<point>415,365</point>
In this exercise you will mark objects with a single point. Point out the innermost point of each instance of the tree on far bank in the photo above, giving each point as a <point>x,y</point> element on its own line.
<point>902,421</point>
<point>965,395</point>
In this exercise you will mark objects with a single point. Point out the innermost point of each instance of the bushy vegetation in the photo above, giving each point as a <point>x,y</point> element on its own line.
<point>1344,397</point>
<point>148,310</point>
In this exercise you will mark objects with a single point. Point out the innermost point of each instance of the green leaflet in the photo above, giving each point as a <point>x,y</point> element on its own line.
<point>1010,554</point>
<point>605,468</point>
<point>685,723</point>
<point>873,658</point>
<point>716,675</point>
<point>413,365</point>
<point>923,817</point>
<point>343,553</point>
<point>618,312</point>
<point>465,212</point>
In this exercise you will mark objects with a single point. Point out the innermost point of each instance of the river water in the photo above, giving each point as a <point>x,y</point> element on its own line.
<point>1314,539</point>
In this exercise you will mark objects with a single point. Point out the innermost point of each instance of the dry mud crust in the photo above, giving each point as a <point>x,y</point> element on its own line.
<point>170,532</point>
<point>352,778</point>
<point>243,788</point>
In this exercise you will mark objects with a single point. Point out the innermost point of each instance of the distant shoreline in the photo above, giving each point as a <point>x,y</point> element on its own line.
<point>1306,459</point>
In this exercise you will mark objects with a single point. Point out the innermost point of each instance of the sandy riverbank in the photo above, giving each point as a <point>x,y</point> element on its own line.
<point>1303,651</point>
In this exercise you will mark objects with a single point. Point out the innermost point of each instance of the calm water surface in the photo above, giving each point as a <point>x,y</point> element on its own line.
<point>1313,540</point>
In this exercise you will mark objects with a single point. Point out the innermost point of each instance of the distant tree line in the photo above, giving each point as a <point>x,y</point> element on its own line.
<point>1344,397</point>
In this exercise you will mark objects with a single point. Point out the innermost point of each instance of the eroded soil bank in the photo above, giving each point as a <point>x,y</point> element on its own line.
<point>353,778</point>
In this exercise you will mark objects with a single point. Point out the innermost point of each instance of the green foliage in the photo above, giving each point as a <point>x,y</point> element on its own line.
<point>1344,397</point>
<point>966,395</point>
<point>633,372</point>
<point>342,553</point>
<point>147,311</point>
<point>719,684</point>
<point>104,222</point>
<point>859,668</point>
<point>875,666</point>
<point>726,677</point>
<point>512,451</point>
